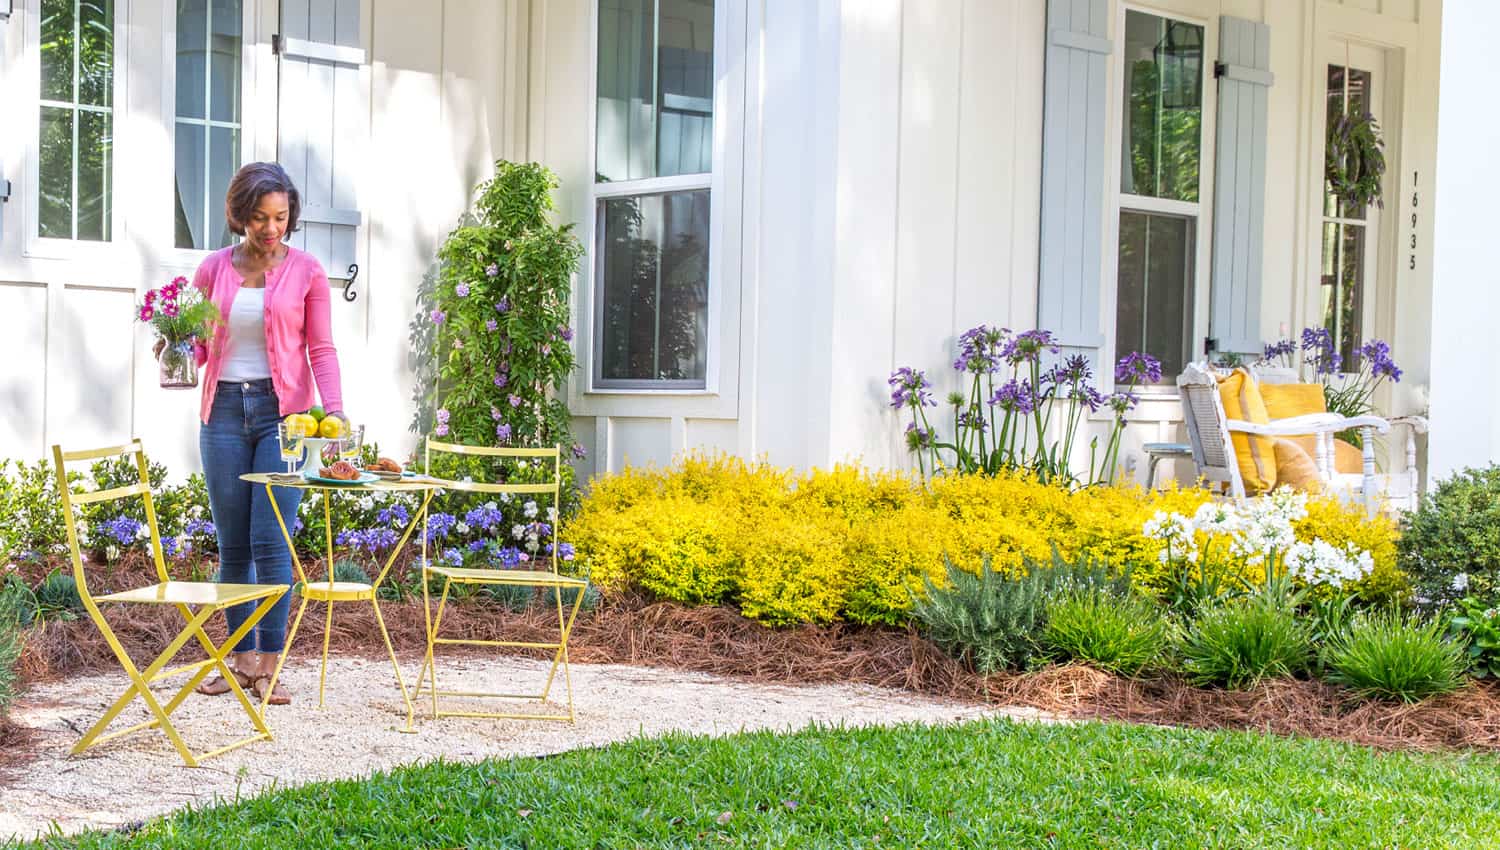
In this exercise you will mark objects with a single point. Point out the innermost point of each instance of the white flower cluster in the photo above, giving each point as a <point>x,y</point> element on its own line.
<point>529,509</point>
<point>1461,582</point>
<point>1320,562</point>
<point>1176,531</point>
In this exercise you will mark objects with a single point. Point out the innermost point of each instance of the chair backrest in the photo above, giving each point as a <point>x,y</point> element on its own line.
<point>1275,374</point>
<point>1208,432</point>
<point>140,489</point>
<point>541,456</point>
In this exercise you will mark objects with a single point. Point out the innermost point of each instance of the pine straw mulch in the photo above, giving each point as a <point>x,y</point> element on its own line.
<point>633,630</point>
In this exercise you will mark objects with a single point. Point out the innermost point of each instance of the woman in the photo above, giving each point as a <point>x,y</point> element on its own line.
<point>267,359</point>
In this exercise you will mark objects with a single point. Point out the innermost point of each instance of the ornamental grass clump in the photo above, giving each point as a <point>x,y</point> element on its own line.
<point>1243,641</point>
<point>1391,656</point>
<point>1122,633</point>
<point>1005,418</point>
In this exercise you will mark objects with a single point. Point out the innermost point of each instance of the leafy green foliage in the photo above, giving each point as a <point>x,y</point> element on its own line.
<point>1067,787</point>
<point>993,620</point>
<point>1396,657</point>
<point>1477,626</point>
<point>500,341</point>
<point>1122,633</point>
<point>1355,159</point>
<point>1243,641</point>
<point>345,569</point>
<point>31,520</point>
<point>12,641</point>
<point>57,596</point>
<point>1450,546</point>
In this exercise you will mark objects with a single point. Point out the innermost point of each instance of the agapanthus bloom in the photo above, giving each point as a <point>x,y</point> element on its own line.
<point>579,451</point>
<point>1320,562</point>
<point>1015,396</point>
<point>978,351</point>
<point>1029,346</point>
<point>1283,350</point>
<point>1138,368</point>
<point>1377,355</point>
<point>910,388</point>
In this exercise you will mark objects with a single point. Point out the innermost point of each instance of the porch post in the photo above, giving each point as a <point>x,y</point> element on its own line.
<point>1466,262</point>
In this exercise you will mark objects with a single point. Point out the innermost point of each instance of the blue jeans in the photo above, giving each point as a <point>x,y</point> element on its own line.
<point>240,437</point>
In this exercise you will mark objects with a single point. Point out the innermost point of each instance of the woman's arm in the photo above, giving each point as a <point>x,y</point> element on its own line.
<point>320,351</point>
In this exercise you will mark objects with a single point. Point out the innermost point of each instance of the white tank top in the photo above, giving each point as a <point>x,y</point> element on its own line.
<point>245,357</point>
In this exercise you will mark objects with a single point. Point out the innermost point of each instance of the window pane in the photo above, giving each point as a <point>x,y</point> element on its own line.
<point>224,61</point>
<point>191,219</point>
<point>55,166</point>
<point>1163,108</point>
<point>192,40</point>
<point>96,52</point>
<point>1154,306</point>
<point>653,273</point>
<point>655,88</point>
<point>57,50</point>
<point>1343,286</point>
<point>95,154</point>
<point>224,161</point>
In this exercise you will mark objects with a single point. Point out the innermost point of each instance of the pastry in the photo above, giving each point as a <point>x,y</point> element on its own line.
<point>342,471</point>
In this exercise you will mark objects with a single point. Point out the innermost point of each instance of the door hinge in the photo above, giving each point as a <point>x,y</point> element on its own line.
<point>1220,69</point>
<point>1210,345</point>
<point>276,44</point>
<point>4,190</point>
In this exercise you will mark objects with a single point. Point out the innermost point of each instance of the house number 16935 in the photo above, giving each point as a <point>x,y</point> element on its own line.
<point>1411,259</point>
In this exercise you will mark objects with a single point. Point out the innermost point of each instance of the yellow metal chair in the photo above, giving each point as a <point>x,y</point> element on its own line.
<point>196,601</point>
<point>546,579</point>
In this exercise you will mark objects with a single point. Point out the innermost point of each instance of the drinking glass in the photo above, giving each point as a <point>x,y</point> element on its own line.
<point>291,444</point>
<point>353,441</point>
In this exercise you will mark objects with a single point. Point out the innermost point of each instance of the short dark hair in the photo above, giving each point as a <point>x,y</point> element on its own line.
<point>253,182</point>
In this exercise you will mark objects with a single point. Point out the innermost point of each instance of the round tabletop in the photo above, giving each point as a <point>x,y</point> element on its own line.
<point>295,480</point>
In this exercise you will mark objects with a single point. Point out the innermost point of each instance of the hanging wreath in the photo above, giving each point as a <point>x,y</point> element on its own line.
<point>1356,160</point>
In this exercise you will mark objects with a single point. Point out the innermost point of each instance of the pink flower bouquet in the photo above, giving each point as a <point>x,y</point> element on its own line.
<point>183,321</point>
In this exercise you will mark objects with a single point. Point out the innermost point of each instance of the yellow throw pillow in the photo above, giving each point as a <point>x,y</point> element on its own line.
<point>1256,456</point>
<point>1295,468</point>
<point>1283,401</point>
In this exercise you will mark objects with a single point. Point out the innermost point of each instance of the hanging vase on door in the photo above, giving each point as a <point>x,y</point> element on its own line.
<point>179,367</point>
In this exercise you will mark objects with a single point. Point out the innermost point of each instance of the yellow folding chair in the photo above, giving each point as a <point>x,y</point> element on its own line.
<point>546,579</point>
<point>195,601</point>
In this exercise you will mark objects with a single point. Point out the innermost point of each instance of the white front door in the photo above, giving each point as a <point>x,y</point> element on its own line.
<point>1353,79</point>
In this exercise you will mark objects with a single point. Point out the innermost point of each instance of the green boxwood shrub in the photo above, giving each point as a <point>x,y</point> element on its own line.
<point>1450,546</point>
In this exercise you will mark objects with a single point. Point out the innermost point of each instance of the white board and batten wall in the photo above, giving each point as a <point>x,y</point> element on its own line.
<point>878,177</point>
<point>876,190</point>
<point>428,96</point>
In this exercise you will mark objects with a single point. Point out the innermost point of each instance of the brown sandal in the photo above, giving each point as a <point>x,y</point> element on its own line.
<point>278,695</point>
<point>219,685</point>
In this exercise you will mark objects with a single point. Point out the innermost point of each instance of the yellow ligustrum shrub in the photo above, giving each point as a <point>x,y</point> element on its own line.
<point>853,544</point>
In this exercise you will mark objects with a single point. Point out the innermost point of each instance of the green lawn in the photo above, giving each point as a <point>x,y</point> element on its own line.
<point>988,784</point>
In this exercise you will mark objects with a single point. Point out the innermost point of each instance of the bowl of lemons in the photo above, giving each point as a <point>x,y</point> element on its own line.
<point>318,439</point>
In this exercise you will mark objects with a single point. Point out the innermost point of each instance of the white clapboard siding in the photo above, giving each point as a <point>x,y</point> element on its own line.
<point>1073,166</point>
<point>1244,78</point>
<point>318,120</point>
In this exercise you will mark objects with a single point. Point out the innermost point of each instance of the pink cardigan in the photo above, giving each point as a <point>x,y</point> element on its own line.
<point>299,333</point>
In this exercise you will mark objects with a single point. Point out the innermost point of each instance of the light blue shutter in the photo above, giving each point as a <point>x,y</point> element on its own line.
<point>1073,157</point>
<point>318,119</point>
<point>1245,78</point>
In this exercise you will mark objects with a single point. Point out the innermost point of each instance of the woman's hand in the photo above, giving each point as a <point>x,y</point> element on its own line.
<point>158,348</point>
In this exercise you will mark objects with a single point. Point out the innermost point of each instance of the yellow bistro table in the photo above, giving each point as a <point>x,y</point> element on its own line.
<point>330,591</point>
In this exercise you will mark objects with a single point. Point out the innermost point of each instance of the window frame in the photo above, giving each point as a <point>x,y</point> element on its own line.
<point>590,344</point>
<point>51,247</point>
<point>1201,210</point>
<point>249,105</point>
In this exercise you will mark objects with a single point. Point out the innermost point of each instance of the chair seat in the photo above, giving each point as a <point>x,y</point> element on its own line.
<point>341,591</point>
<point>193,593</point>
<point>480,576</point>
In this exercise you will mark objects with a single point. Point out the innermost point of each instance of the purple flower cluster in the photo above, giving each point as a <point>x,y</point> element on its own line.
<point>439,525</point>
<point>579,452</point>
<point>395,516</point>
<point>564,551</point>
<point>485,517</point>
<point>1376,355</point>
<point>1282,349</point>
<point>194,527</point>
<point>462,290</point>
<point>372,540</point>
<point>1322,354</point>
<point>1015,396</point>
<point>171,547</point>
<point>122,528</point>
<point>910,388</point>
<point>1138,368</point>
<point>1029,346</point>
<point>979,350</point>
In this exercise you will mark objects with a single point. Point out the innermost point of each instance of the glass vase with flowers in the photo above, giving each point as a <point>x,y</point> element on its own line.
<point>182,320</point>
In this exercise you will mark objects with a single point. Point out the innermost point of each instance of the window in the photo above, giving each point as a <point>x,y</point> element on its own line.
<point>653,162</point>
<point>76,138</point>
<point>207,121</point>
<point>1346,227</point>
<point>1160,151</point>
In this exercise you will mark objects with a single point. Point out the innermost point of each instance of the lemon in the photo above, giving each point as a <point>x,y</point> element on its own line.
<point>301,424</point>
<point>331,427</point>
